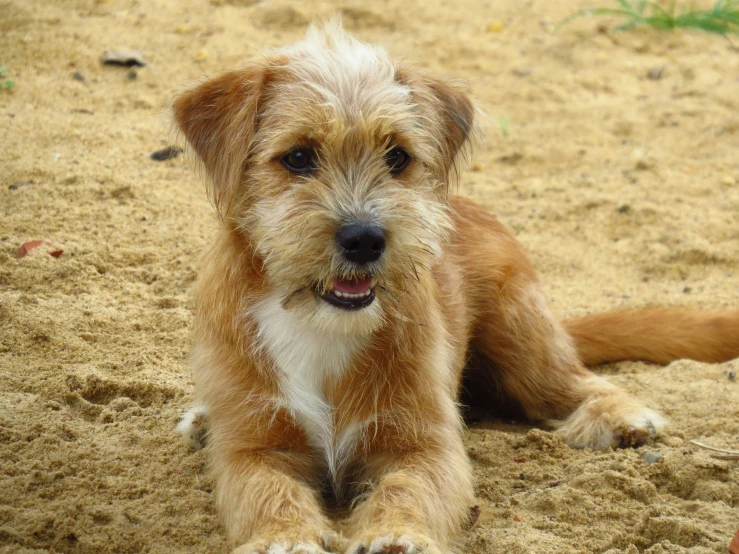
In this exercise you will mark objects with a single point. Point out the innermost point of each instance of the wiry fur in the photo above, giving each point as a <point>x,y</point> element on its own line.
<point>302,395</point>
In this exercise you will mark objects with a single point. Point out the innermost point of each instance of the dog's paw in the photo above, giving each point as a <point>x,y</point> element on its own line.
<point>610,421</point>
<point>328,543</point>
<point>394,544</point>
<point>192,426</point>
<point>279,547</point>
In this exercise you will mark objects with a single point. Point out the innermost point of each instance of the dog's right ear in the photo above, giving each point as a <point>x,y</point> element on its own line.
<point>219,118</point>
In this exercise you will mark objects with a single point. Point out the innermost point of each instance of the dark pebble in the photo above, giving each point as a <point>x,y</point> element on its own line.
<point>473,517</point>
<point>732,375</point>
<point>166,153</point>
<point>133,75</point>
<point>624,209</point>
<point>78,76</point>
<point>19,184</point>
<point>129,58</point>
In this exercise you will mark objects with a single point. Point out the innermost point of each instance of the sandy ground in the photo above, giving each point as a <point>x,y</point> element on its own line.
<point>622,188</point>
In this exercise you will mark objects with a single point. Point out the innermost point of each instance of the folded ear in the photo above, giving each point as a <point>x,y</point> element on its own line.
<point>218,118</point>
<point>449,112</point>
<point>457,117</point>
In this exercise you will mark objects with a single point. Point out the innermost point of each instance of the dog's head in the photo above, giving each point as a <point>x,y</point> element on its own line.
<point>334,162</point>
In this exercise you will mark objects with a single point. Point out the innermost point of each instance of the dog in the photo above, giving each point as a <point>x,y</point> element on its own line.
<point>346,289</point>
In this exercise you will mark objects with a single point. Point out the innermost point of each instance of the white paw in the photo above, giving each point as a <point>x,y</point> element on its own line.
<point>192,426</point>
<point>610,421</point>
<point>390,544</point>
<point>280,548</point>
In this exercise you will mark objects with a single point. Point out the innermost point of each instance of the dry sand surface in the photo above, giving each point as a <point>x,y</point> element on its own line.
<point>622,188</point>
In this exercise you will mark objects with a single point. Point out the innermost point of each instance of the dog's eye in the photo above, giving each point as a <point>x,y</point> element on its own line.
<point>397,159</point>
<point>300,160</point>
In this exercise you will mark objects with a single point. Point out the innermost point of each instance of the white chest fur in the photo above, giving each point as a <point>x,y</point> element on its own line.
<point>305,358</point>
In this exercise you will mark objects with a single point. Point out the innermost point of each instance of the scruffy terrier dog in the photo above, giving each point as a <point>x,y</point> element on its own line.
<point>346,289</point>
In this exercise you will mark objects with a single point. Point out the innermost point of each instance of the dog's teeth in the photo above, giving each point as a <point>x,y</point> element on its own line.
<point>351,296</point>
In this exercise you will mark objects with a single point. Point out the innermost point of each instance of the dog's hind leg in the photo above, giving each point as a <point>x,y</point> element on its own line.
<point>531,356</point>
<point>536,364</point>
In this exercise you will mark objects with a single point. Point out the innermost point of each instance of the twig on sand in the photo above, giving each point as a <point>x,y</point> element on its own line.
<point>731,455</point>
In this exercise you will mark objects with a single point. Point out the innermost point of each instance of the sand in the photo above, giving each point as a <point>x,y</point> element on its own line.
<point>622,188</point>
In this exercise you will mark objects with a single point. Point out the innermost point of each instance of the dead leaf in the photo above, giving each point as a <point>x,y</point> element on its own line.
<point>473,517</point>
<point>734,546</point>
<point>25,248</point>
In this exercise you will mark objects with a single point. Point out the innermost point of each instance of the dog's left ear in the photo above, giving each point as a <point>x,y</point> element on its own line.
<point>452,114</point>
<point>219,118</point>
<point>457,114</point>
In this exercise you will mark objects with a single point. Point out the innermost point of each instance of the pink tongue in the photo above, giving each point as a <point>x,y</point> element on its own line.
<point>352,287</point>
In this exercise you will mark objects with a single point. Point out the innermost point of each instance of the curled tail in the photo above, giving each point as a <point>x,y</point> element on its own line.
<point>658,335</point>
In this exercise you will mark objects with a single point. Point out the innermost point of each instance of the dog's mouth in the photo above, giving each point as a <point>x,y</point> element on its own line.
<point>350,294</point>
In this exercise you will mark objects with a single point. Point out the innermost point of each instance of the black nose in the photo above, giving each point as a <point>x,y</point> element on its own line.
<point>360,242</point>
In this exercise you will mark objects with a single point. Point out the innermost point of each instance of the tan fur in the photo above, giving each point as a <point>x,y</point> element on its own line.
<point>657,335</point>
<point>300,395</point>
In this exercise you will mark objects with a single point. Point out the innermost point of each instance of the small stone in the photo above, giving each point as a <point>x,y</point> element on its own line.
<point>655,74</point>
<point>728,180</point>
<point>166,153</point>
<point>642,47</point>
<point>133,75</point>
<point>732,375</point>
<point>639,158</point>
<point>643,165</point>
<point>651,457</point>
<point>624,209</point>
<point>78,76</point>
<point>495,26</point>
<point>19,184</point>
<point>517,518</point>
<point>687,290</point>
<point>125,58</point>
<point>89,337</point>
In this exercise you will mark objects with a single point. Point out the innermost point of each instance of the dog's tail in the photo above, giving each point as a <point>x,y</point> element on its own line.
<point>658,335</point>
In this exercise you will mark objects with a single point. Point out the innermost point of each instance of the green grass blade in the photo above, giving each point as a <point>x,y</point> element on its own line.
<point>723,18</point>
<point>590,13</point>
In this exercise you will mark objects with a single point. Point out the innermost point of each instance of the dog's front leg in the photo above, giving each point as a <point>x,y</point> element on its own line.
<point>267,507</point>
<point>418,499</point>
